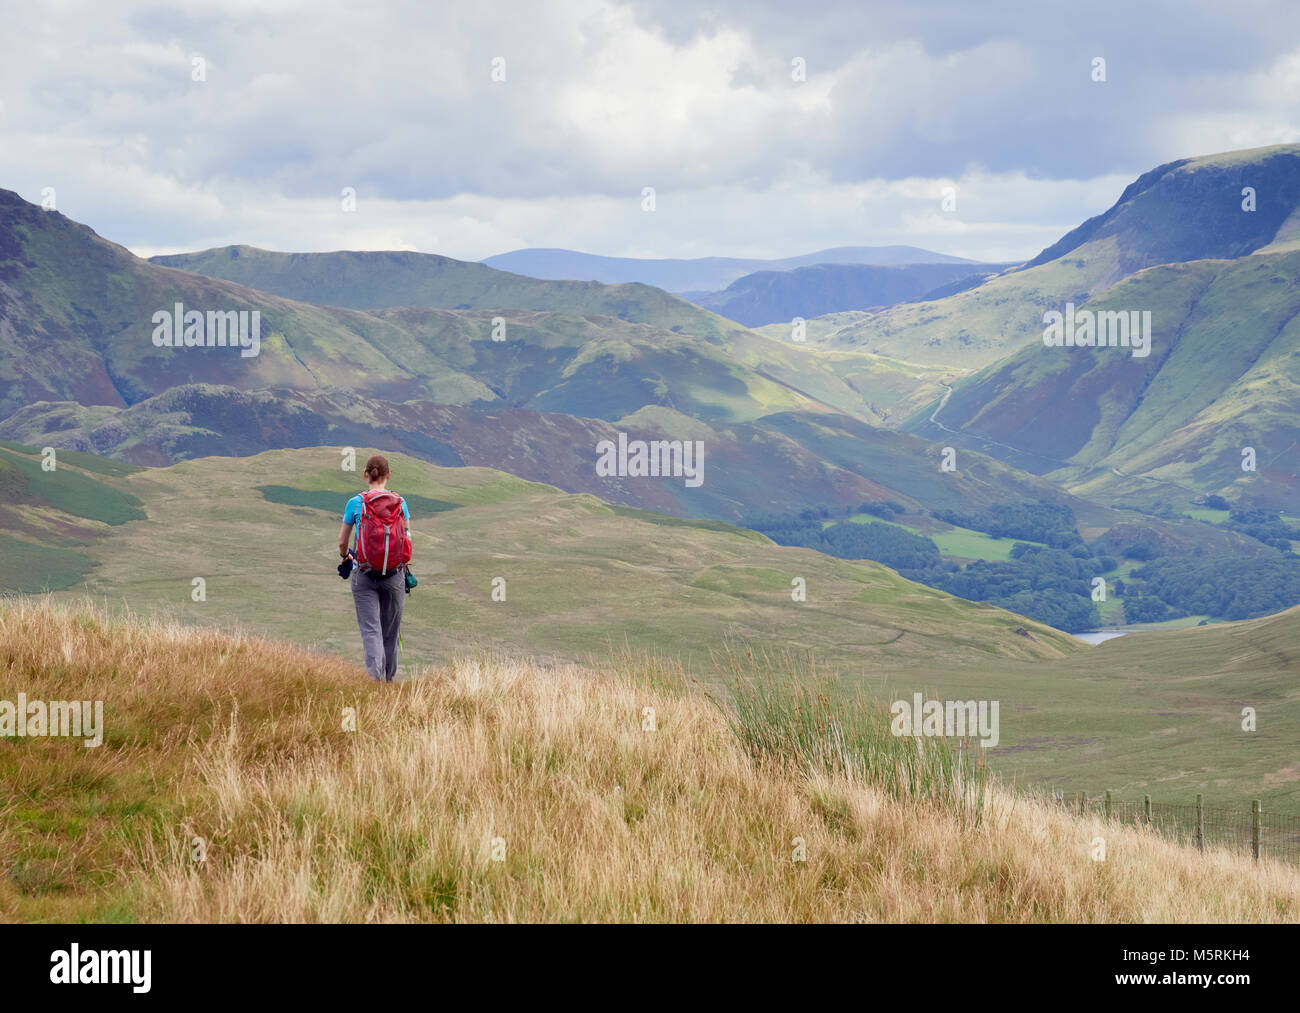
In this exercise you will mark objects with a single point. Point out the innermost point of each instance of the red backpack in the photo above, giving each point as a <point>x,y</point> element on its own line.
<point>383,540</point>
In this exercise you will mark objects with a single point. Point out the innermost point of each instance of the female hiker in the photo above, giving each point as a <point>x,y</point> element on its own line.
<point>383,548</point>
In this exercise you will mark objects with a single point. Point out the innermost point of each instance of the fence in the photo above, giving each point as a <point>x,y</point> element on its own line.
<point>1254,832</point>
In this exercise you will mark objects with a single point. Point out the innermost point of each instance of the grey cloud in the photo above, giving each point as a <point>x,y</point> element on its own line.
<point>603,98</point>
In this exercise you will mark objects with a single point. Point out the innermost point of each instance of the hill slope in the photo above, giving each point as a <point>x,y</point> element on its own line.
<point>77,324</point>
<point>362,280</point>
<point>588,582</point>
<point>493,791</point>
<point>784,461</point>
<point>85,308</point>
<point>769,296</point>
<point>1223,374</point>
<point>524,390</point>
<point>581,577</point>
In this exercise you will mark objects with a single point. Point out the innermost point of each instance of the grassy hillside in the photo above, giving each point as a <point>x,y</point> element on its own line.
<point>582,578</point>
<point>788,425</point>
<point>748,466</point>
<point>1160,713</point>
<point>571,362</point>
<point>47,518</point>
<point>362,280</point>
<point>586,581</point>
<point>504,791</point>
<point>1222,375</point>
<point>85,310</point>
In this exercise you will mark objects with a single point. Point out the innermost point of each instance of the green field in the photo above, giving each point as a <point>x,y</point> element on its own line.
<point>955,542</point>
<point>30,567</point>
<point>71,491</point>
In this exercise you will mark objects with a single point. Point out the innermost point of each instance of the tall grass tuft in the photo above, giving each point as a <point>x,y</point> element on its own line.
<point>817,725</point>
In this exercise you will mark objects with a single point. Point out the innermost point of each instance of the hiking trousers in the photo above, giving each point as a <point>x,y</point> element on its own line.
<point>379,614</point>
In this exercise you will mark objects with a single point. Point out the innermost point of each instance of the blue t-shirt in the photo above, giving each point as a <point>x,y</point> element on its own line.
<point>353,510</point>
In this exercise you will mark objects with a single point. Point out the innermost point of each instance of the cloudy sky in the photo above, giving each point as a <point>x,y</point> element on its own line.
<point>243,121</point>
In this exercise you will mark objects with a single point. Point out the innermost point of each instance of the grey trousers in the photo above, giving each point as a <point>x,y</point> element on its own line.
<point>379,614</point>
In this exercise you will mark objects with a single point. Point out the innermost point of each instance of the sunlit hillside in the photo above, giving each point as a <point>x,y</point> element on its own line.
<point>246,780</point>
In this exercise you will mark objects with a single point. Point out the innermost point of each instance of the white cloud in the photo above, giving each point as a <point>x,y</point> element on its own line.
<point>603,98</point>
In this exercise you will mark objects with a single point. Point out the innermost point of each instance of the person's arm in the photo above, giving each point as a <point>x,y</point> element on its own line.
<point>345,537</point>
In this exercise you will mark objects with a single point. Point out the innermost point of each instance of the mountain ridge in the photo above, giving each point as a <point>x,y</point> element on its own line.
<point>698,274</point>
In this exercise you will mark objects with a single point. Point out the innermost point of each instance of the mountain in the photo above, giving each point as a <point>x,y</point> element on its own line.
<point>697,275</point>
<point>1183,211</point>
<point>359,280</point>
<point>85,309</point>
<point>769,296</point>
<point>1223,374</point>
<point>437,382</point>
<point>77,320</point>
<point>785,461</point>
<point>534,375</point>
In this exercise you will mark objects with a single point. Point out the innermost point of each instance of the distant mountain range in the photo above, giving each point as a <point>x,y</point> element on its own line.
<point>698,275</point>
<point>767,297</point>
<point>575,363</point>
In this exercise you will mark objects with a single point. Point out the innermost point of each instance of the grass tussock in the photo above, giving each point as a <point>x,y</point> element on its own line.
<point>808,724</point>
<point>496,790</point>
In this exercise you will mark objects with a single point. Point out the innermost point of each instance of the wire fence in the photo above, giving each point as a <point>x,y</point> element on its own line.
<point>1250,831</point>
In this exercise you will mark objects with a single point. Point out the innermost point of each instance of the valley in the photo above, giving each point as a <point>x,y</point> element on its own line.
<point>937,442</point>
<point>582,581</point>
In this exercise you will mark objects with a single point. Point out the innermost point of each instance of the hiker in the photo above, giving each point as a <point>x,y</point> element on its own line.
<point>379,582</point>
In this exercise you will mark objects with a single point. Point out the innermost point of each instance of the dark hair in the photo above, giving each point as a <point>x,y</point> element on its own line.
<point>377,468</point>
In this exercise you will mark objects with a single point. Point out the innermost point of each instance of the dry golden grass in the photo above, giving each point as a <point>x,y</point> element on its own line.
<point>241,742</point>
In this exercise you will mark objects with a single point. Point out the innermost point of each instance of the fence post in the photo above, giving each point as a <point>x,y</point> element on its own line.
<point>1083,802</point>
<point>1108,803</point>
<point>1200,821</point>
<point>1146,808</point>
<point>1256,811</point>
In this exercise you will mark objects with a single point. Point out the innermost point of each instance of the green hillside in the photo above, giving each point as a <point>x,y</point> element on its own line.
<point>49,517</point>
<point>1160,713</point>
<point>408,287</point>
<point>85,309</point>
<point>526,390</point>
<point>365,281</point>
<point>582,577</point>
<point>1167,428</point>
<point>1154,712</point>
